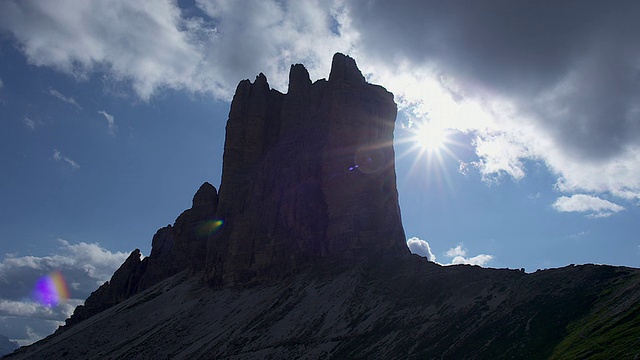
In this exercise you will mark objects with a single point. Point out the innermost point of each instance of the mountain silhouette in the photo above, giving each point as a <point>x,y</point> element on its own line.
<point>301,254</point>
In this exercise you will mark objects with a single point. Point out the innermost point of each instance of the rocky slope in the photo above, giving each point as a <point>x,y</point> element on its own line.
<point>174,249</point>
<point>408,309</point>
<point>302,255</point>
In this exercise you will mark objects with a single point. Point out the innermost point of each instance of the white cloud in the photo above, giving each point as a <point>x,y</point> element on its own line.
<point>33,336</point>
<point>620,176</point>
<point>57,156</point>
<point>479,260</point>
<point>29,123</point>
<point>145,43</point>
<point>268,36</point>
<point>456,251</point>
<point>576,108</point>
<point>593,206</point>
<point>499,154</point>
<point>33,309</point>
<point>568,101</point>
<point>96,262</point>
<point>420,247</point>
<point>111,124</point>
<point>1,84</point>
<point>66,99</point>
<point>154,45</point>
<point>459,256</point>
<point>84,266</point>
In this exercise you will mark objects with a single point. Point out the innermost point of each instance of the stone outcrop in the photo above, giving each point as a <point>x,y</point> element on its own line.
<point>308,176</point>
<point>403,309</point>
<point>174,249</point>
<point>308,179</point>
<point>183,245</point>
<point>123,284</point>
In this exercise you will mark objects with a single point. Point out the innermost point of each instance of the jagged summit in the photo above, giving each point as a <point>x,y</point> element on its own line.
<point>308,179</point>
<point>299,81</point>
<point>344,68</point>
<point>306,175</point>
<point>205,196</point>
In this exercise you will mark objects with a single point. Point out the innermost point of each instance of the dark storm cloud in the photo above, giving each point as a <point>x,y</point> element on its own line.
<point>573,65</point>
<point>204,46</point>
<point>559,80</point>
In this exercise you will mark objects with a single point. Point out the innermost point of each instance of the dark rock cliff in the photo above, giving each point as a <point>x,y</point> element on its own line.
<point>308,179</point>
<point>306,176</point>
<point>174,249</point>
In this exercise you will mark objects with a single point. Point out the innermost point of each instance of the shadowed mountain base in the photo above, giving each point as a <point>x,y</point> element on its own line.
<point>403,309</point>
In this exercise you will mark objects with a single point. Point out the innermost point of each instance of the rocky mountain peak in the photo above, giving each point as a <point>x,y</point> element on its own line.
<point>308,179</point>
<point>299,81</point>
<point>206,196</point>
<point>344,68</point>
<point>307,175</point>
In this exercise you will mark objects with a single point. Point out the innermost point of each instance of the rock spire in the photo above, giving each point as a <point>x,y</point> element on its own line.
<point>307,176</point>
<point>308,179</point>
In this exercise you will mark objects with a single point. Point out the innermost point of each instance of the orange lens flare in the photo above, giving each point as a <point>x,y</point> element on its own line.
<point>51,290</point>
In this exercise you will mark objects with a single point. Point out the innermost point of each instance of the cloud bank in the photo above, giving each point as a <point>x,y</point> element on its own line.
<point>459,256</point>
<point>84,266</point>
<point>156,45</point>
<point>552,83</point>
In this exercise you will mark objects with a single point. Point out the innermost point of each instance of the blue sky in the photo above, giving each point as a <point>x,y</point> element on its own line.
<point>112,116</point>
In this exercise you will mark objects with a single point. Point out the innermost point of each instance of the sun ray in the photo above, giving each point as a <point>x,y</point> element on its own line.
<point>429,143</point>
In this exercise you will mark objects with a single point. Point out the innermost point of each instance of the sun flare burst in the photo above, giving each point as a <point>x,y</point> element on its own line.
<point>429,145</point>
<point>431,137</point>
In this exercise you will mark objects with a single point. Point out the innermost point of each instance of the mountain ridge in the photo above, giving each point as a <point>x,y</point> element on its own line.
<point>302,254</point>
<point>407,308</point>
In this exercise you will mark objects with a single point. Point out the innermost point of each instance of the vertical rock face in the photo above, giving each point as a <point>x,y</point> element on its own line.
<point>306,176</point>
<point>183,245</point>
<point>174,249</point>
<point>123,284</point>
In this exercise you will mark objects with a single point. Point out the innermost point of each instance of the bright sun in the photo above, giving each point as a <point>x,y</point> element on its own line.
<point>431,137</point>
<point>428,143</point>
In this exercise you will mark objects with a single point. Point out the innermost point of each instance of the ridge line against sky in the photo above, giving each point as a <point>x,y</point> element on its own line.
<point>112,114</point>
